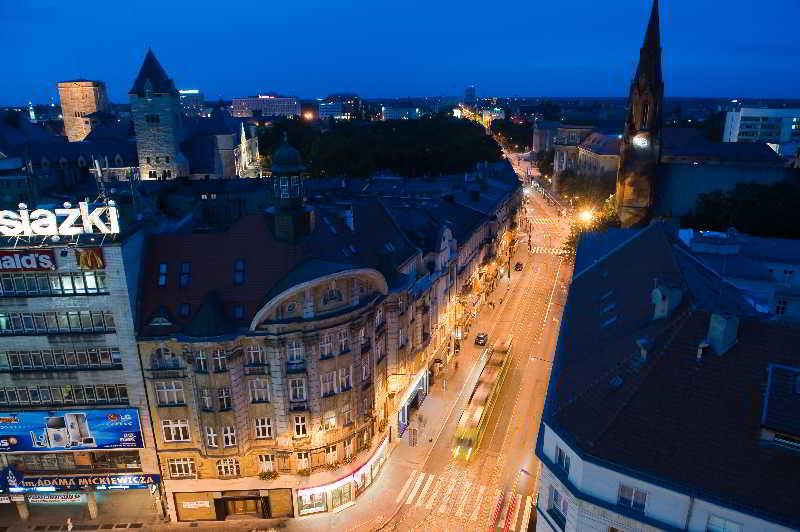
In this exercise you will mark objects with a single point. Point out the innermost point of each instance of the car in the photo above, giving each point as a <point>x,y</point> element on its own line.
<point>481,339</point>
<point>518,266</point>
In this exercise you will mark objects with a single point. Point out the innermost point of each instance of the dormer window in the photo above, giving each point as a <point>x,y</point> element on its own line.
<point>239,272</point>
<point>332,295</point>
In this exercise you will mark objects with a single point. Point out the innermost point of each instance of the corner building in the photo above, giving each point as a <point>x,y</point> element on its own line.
<point>74,424</point>
<point>265,354</point>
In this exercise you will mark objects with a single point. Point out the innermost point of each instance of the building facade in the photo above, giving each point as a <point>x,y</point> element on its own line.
<point>778,127</point>
<point>79,99</point>
<point>341,107</point>
<point>158,122</point>
<point>598,155</point>
<point>74,409</point>
<point>400,113</point>
<point>265,105</point>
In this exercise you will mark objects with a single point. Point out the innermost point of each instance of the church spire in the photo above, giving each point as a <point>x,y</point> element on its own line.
<point>649,68</point>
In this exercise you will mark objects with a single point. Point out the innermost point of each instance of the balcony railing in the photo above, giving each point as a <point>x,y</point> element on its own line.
<point>298,406</point>
<point>168,368</point>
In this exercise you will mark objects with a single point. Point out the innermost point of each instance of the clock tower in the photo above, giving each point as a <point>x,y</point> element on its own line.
<point>641,143</point>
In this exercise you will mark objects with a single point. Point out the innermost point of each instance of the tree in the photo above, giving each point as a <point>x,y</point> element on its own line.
<point>604,219</point>
<point>545,163</point>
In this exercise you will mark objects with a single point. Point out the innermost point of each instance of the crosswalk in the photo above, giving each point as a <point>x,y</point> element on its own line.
<point>543,221</point>
<point>468,502</point>
<point>546,251</point>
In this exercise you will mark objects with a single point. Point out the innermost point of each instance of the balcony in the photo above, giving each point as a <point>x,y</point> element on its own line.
<point>296,367</point>
<point>298,406</point>
<point>256,369</point>
<point>167,368</point>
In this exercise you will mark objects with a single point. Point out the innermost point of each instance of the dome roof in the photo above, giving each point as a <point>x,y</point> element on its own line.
<point>286,160</point>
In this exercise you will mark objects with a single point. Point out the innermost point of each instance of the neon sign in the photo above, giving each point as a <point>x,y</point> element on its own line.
<point>68,221</point>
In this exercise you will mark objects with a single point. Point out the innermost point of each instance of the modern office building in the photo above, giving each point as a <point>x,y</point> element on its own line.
<point>400,113</point>
<point>192,101</point>
<point>780,128</point>
<point>79,99</point>
<point>470,97</point>
<point>75,422</point>
<point>341,107</point>
<point>265,105</point>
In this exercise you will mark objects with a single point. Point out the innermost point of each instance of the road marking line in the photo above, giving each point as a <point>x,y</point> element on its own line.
<point>405,487</point>
<point>463,503</point>
<point>477,510</point>
<point>526,517</point>
<point>421,499</point>
<point>413,492</point>
<point>439,484</point>
<point>443,507</point>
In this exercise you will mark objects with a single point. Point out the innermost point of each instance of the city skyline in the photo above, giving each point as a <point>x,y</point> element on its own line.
<point>524,53</point>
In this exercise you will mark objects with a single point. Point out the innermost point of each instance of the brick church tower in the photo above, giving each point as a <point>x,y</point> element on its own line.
<point>157,122</point>
<point>641,144</point>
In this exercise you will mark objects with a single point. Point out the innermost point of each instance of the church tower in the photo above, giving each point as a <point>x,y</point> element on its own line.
<point>157,122</point>
<point>641,143</point>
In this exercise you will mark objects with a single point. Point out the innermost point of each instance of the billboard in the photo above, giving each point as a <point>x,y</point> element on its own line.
<point>68,430</point>
<point>27,260</point>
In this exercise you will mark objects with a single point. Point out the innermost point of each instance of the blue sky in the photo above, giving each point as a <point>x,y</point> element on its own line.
<point>737,48</point>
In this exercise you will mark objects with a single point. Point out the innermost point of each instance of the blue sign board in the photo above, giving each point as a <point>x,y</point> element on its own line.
<point>69,430</point>
<point>15,481</point>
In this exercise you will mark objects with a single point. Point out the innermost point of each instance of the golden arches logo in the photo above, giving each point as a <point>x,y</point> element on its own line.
<point>90,259</point>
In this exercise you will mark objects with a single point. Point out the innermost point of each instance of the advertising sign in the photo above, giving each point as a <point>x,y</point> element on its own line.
<point>69,221</point>
<point>27,260</point>
<point>15,481</point>
<point>57,498</point>
<point>64,430</point>
<point>90,258</point>
<point>196,504</point>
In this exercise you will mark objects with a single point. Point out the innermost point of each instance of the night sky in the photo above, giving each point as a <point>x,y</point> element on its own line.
<point>737,48</point>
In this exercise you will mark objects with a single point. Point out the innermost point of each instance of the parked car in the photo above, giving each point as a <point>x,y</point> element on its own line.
<point>481,338</point>
<point>518,266</point>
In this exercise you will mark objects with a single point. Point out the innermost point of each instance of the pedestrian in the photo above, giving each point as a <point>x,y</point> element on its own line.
<point>69,524</point>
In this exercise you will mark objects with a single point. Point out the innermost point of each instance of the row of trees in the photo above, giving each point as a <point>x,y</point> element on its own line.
<point>437,145</point>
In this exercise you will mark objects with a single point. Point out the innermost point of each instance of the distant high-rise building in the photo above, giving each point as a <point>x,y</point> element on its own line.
<point>778,127</point>
<point>192,101</point>
<point>341,107</point>
<point>79,99</point>
<point>265,105</point>
<point>400,113</point>
<point>157,121</point>
<point>469,95</point>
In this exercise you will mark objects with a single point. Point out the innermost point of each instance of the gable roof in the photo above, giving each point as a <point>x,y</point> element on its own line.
<point>669,419</point>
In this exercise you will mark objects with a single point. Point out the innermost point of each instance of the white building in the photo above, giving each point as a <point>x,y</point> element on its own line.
<point>672,403</point>
<point>265,105</point>
<point>400,113</point>
<point>778,127</point>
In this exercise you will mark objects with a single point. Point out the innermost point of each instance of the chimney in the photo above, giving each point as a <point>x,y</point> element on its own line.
<point>702,347</point>
<point>665,299</point>
<point>645,344</point>
<point>722,332</point>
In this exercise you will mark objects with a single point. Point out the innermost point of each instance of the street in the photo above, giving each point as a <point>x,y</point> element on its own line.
<point>449,494</point>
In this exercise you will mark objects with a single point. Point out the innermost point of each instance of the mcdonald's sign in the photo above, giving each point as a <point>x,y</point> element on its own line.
<point>90,258</point>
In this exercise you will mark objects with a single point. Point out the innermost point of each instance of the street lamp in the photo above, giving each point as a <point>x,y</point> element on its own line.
<point>586,216</point>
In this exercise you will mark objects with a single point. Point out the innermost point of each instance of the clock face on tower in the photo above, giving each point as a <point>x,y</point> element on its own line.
<point>640,141</point>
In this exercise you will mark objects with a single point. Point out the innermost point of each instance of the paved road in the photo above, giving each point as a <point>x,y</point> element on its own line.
<point>448,494</point>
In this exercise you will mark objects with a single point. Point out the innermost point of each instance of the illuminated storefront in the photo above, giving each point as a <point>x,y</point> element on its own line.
<point>414,396</point>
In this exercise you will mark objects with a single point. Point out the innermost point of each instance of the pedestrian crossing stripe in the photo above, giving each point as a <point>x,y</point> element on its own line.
<point>464,500</point>
<point>545,250</point>
<point>543,221</point>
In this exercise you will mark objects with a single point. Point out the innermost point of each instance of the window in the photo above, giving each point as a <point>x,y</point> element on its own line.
<point>238,312</point>
<point>300,429</point>
<point>60,359</point>
<point>263,428</point>
<point>170,393</point>
<point>259,390</point>
<point>348,447</point>
<point>365,368</point>
<point>256,356</point>
<point>345,378</point>
<point>181,467</point>
<point>205,400</point>
<point>219,361</point>
<point>344,341</point>
<point>52,284</point>
<point>239,272</point>
<point>788,275</point>
<point>780,307</point>
<point>558,507</point>
<point>378,317</point>
<point>330,455</point>
<point>302,460</point>
<point>266,463</point>
<point>329,420</point>
<point>645,115</point>
<point>211,437</point>
<point>401,338</point>
<point>347,415</point>
<point>228,467</point>
<point>297,389</point>
<point>294,351</point>
<point>36,323</point>
<point>718,524</point>
<point>633,498</point>
<point>175,430</point>
<point>379,351</point>
<point>224,396</point>
<point>185,310</point>
<point>328,383</point>
<point>201,362</point>
<point>326,345</point>
<point>186,274</point>
<point>228,436</point>
<point>562,459</point>
<point>162,274</point>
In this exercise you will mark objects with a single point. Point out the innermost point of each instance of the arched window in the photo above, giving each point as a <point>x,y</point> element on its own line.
<point>645,115</point>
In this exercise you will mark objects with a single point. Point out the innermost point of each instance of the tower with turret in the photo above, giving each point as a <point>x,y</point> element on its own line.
<point>641,143</point>
<point>157,122</point>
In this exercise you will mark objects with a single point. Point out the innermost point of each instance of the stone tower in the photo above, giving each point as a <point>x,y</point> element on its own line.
<point>292,218</point>
<point>641,143</point>
<point>79,99</point>
<point>157,121</point>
